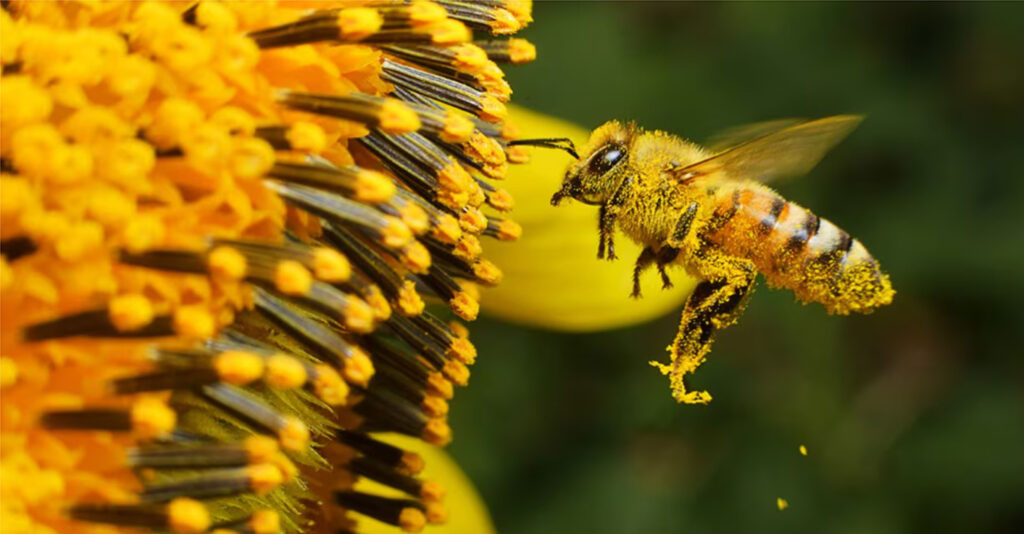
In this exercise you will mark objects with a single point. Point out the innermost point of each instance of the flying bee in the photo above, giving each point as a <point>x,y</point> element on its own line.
<point>708,210</point>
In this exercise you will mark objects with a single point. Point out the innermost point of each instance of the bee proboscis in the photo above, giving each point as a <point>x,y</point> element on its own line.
<point>708,210</point>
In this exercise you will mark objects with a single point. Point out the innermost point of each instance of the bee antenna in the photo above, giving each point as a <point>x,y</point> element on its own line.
<point>557,143</point>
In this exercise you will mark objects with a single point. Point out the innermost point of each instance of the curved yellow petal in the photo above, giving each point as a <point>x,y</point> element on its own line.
<point>552,277</point>
<point>469,514</point>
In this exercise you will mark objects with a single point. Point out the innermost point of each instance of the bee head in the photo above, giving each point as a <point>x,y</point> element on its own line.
<point>601,168</point>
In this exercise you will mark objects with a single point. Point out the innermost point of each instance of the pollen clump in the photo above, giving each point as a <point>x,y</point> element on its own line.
<point>209,212</point>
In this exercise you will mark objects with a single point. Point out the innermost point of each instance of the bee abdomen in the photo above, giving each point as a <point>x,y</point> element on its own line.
<point>798,250</point>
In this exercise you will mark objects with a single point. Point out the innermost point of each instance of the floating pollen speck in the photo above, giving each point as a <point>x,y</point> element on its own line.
<point>222,224</point>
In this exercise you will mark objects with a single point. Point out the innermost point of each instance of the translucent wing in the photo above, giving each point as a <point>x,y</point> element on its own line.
<point>732,137</point>
<point>774,150</point>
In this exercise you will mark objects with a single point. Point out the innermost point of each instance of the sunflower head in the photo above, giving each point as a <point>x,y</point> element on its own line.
<point>221,226</point>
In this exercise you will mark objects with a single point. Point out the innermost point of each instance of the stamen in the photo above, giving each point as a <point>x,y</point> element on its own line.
<point>503,229</point>
<point>181,516</point>
<point>446,90</point>
<point>97,323</point>
<point>301,136</point>
<point>388,114</point>
<point>265,521</point>
<point>354,182</point>
<point>405,462</point>
<point>345,25</point>
<point>467,58</point>
<point>515,50</point>
<point>147,418</point>
<point>291,432</point>
<point>403,513</point>
<point>392,232</point>
<point>389,413</point>
<point>258,479</point>
<point>254,450</point>
<point>485,16</point>
<point>385,474</point>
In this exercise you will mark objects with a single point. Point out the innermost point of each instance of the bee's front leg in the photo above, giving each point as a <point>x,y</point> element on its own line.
<point>606,230</point>
<point>666,255</point>
<point>715,303</point>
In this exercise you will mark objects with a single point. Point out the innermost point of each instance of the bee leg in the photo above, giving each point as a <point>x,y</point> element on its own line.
<point>606,230</point>
<point>714,304</point>
<point>643,261</point>
<point>666,256</point>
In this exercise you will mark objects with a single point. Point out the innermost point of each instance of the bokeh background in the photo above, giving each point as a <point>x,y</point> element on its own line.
<point>913,416</point>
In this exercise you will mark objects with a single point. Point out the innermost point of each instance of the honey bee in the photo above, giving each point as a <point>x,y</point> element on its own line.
<point>707,210</point>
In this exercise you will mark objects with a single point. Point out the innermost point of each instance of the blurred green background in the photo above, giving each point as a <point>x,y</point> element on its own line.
<point>914,416</point>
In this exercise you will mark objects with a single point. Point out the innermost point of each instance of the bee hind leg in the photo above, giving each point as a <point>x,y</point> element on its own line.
<point>714,304</point>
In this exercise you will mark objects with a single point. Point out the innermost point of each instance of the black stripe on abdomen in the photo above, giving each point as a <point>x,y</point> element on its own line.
<point>767,223</point>
<point>804,232</point>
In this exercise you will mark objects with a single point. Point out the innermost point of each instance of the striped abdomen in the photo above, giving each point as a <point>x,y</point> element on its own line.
<point>796,249</point>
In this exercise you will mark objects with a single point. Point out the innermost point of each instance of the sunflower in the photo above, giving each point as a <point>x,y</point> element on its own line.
<point>221,225</point>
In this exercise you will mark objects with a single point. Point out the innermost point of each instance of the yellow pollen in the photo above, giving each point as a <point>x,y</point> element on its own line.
<point>376,300</point>
<point>447,229</point>
<point>424,12</point>
<point>265,522</point>
<point>416,257</point>
<point>251,158</point>
<point>17,196</point>
<point>238,367</point>
<point>415,218</point>
<point>504,22</point>
<point>187,516</point>
<point>453,177</point>
<point>412,463</point>
<point>436,513</point>
<point>397,118</point>
<point>457,372</point>
<point>216,18</point>
<point>373,187</point>
<point>23,103</point>
<point>470,58</point>
<point>458,329</point>
<point>330,265</point>
<point>521,9</point>
<point>175,119</point>
<point>502,200</point>
<point>464,306</point>
<point>152,418</point>
<point>492,110</point>
<point>358,23</point>
<point>440,386</point>
<point>143,233</point>
<point>293,434</point>
<point>264,477</point>
<point>487,272</point>
<point>233,120</point>
<point>306,137</point>
<point>457,128</point>
<point>110,207</point>
<point>288,468</point>
<point>285,372</point>
<point>292,278</point>
<point>358,368</point>
<point>260,449</point>
<point>329,386</point>
<point>193,322</point>
<point>437,432</point>
<point>79,240</point>
<point>803,450</point>
<point>463,350</point>
<point>449,32</point>
<point>521,51</point>
<point>396,234</point>
<point>468,248</point>
<point>227,263</point>
<point>359,316</point>
<point>509,230</point>
<point>130,312</point>
<point>431,491</point>
<point>434,406</point>
<point>473,221</point>
<point>8,372</point>
<point>781,503</point>
<point>411,520</point>
<point>409,301</point>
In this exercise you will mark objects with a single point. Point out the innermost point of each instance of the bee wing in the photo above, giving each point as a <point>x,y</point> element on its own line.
<point>733,137</point>
<point>779,151</point>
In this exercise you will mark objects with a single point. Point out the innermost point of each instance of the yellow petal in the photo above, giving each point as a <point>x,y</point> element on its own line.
<point>552,277</point>
<point>468,515</point>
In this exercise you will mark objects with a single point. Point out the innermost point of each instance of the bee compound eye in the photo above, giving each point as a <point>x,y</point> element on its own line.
<point>606,158</point>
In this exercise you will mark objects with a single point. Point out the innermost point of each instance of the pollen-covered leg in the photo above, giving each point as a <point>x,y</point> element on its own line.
<point>606,232</point>
<point>666,256</point>
<point>713,305</point>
